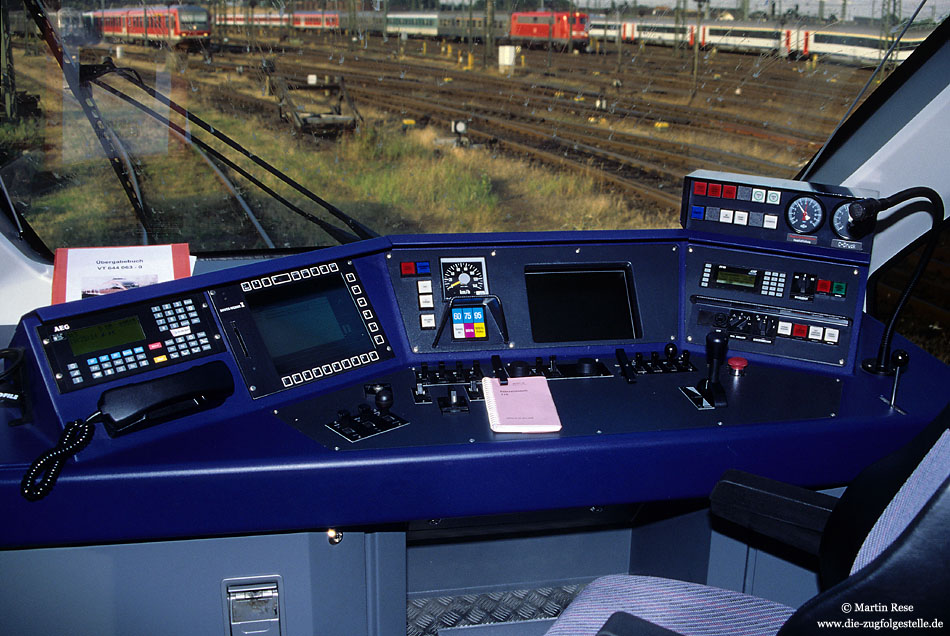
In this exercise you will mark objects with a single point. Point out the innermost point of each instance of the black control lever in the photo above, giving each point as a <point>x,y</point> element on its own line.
<point>629,374</point>
<point>710,388</point>
<point>899,360</point>
<point>499,370</point>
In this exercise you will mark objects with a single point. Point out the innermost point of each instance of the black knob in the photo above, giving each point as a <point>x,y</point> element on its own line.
<point>717,344</point>
<point>586,367</point>
<point>899,358</point>
<point>344,417</point>
<point>670,350</point>
<point>684,357</point>
<point>519,369</point>
<point>384,400</point>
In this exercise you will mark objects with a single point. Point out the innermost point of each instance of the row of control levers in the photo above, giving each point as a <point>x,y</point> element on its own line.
<point>465,382</point>
<point>672,361</point>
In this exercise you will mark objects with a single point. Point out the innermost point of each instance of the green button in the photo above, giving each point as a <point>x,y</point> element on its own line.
<point>839,289</point>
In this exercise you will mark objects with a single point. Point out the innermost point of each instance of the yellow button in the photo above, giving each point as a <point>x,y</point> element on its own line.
<point>158,359</point>
<point>479,330</point>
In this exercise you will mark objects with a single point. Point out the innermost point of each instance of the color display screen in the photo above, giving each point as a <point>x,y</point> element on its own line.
<point>309,323</point>
<point>573,305</point>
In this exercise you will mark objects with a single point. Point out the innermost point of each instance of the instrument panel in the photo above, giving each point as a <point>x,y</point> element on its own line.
<point>777,273</point>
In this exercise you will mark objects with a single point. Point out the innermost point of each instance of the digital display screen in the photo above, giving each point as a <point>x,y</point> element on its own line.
<point>309,323</point>
<point>571,305</point>
<point>735,277</point>
<point>106,335</point>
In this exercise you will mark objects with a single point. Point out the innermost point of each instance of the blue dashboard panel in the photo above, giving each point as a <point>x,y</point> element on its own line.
<point>357,375</point>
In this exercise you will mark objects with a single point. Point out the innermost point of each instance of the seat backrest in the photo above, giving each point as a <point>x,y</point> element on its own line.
<point>904,557</point>
<point>867,498</point>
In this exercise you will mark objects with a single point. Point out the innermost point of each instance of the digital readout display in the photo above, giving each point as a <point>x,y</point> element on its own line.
<point>106,335</point>
<point>735,277</point>
<point>309,323</point>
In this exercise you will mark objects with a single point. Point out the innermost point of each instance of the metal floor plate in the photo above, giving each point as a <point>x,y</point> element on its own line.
<point>426,616</point>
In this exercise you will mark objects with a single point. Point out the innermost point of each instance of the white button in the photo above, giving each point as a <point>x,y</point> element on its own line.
<point>725,216</point>
<point>427,321</point>
<point>831,335</point>
<point>741,217</point>
<point>816,333</point>
<point>425,301</point>
<point>774,197</point>
<point>424,286</point>
<point>784,328</point>
<point>758,195</point>
<point>770,222</point>
<point>458,330</point>
<point>350,277</point>
<point>373,356</point>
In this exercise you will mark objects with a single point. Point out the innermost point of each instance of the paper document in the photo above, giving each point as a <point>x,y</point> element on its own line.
<point>524,405</point>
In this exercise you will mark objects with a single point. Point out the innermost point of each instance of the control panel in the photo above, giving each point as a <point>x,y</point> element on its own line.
<point>497,297</point>
<point>90,349</point>
<point>354,345</point>
<point>794,214</point>
<point>300,325</point>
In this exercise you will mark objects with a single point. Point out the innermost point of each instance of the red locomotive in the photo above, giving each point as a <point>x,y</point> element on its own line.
<point>178,25</point>
<point>562,28</point>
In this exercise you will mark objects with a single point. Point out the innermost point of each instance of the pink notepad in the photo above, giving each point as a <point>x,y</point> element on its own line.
<point>524,405</point>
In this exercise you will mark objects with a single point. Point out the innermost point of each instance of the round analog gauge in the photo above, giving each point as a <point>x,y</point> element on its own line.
<point>840,220</point>
<point>805,215</point>
<point>464,277</point>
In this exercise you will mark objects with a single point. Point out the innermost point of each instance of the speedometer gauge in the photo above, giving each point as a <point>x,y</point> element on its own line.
<point>805,214</point>
<point>464,277</point>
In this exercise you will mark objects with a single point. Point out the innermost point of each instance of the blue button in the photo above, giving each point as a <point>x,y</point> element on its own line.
<point>103,358</point>
<point>467,315</point>
<point>92,361</point>
<point>697,212</point>
<point>478,314</point>
<point>127,352</point>
<point>115,356</point>
<point>422,267</point>
<point>139,350</point>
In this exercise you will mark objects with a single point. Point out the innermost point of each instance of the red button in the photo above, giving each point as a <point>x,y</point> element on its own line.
<point>729,192</point>
<point>737,363</point>
<point>800,331</point>
<point>154,346</point>
<point>823,286</point>
<point>715,189</point>
<point>407,268</point>
<point>699,187</point>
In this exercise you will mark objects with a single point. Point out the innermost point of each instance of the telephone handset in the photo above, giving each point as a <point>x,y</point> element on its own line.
<point>129,408</point>
<point>133,407</point>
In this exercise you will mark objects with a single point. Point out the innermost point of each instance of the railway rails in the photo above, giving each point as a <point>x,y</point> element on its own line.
<point>583,126</point>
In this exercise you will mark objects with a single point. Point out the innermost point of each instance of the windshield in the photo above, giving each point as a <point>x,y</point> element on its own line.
<point>416,120</point>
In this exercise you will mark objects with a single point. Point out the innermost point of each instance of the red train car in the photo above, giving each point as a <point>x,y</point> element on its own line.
<point>177,25</point>
<point>570,29</point>
<point>318,20</point>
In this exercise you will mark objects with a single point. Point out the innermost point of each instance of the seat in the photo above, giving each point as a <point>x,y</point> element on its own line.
<point>886,540</point>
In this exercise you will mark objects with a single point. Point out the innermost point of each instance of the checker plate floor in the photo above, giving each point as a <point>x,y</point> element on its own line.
<point>426,616</point>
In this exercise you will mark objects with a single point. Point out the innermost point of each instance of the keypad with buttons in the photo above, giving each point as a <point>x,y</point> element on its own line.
<point>128,340</point>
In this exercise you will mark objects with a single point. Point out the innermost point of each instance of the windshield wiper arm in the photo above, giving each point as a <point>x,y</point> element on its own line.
<point>358,228</point>
<point>83,94</point>
<point>338,234</point>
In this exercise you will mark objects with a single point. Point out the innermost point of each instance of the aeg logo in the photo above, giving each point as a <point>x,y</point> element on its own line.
<point>58,328</point>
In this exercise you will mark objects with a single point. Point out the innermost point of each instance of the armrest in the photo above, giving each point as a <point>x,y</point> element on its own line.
<point>623,624</point>
<point>792,515</point>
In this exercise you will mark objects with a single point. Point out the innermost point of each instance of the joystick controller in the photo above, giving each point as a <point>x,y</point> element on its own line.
<point>710,388</point>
